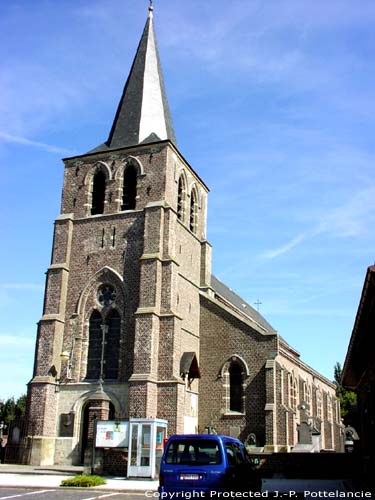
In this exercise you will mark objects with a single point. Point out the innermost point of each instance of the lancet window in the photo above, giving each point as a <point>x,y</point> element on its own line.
<point>104,346</point>
<point>98,193</point>
<point>235,384</point>
<point>193,211</point>
<point>129,191</point>
<point>181,198</point>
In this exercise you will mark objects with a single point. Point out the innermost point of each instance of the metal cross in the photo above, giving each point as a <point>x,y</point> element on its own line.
<point>258,303</point>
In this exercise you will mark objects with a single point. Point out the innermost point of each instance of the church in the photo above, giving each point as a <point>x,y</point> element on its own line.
<point>134,324</point>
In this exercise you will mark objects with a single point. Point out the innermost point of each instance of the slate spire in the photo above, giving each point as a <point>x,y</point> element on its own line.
<point>143,114</point>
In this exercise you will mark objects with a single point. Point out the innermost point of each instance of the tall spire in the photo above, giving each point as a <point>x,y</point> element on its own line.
<point>143,114</point>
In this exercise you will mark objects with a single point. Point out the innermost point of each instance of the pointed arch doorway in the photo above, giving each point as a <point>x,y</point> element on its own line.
<point>98,407</point>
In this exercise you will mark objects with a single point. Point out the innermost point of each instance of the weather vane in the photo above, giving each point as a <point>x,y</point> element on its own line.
<point>150,6</point>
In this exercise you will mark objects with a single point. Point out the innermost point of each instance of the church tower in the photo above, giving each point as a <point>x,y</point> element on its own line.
<point>119,334</point>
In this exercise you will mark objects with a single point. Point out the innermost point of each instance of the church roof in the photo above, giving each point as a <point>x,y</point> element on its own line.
<point>360,354</point>
<point>241,305</point>
<point>143,114</point>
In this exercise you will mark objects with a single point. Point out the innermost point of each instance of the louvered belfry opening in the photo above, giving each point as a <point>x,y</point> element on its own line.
<point>98,193</point>
<point>129,192</point>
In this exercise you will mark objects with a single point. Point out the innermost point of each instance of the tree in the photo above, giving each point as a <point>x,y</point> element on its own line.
<point>348,399</point>
<point>11,409</point>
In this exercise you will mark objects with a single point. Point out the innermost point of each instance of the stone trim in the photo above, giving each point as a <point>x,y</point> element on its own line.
<point>269,407</point>
<point>63,265</point>
<point>63,217</point>
<point>157,256</point>
<point>151,310</point>
<point>188,331</point>
<point>53,317</point>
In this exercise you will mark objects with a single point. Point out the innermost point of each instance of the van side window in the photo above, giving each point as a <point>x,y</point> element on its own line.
<point>239,455</point>
<point>234,454</point>
<point>193,452</point>
<point>230,454</point>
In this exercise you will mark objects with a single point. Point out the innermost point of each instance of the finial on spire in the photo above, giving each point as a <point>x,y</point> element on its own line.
<point>150,8</point>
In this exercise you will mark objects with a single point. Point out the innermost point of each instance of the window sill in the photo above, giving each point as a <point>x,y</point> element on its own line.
<point>234,414</point>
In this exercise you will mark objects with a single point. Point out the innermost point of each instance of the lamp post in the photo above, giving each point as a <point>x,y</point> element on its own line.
<point>94,417</point>
<point>65,357</point>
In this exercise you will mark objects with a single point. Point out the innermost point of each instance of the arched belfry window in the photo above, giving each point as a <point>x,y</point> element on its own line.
<point>112,345</point>
<point>95,346</point>
<point>193,211</point>
<point>235,385</point>
<point>98,193</point>
<point>129,192</point>
<point>181,198</point>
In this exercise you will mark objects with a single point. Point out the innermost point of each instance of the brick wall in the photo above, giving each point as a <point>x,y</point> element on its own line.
<point>222,336</point>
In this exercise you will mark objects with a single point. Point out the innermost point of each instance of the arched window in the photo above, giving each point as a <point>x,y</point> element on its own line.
<point>112,345</point>
<point>129,192</point>
<point>319,404</point>
<point>235,384</point>
<point>293,393</point>
<point>98,193</point>
<point>95,346</point>
<point>308,398</point>
<point>181,198</point>
<point>193,211</point>
<point>329,409</point>
<point>110,333</point>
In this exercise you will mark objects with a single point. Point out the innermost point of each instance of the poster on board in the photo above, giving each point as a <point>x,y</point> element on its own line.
<point>112,434</point>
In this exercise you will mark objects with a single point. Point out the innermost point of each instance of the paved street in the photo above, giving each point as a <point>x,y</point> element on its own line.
<point>66,494</point>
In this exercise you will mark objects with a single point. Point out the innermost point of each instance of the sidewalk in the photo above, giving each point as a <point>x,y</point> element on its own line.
<point>28,476</point>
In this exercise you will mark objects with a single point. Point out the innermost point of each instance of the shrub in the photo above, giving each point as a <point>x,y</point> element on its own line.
<point>83,481</point>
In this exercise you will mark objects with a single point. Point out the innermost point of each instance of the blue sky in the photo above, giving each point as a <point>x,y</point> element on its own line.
<point>273,105</point>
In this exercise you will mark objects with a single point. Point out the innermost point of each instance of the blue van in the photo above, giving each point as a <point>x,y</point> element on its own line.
<point>204,463</point>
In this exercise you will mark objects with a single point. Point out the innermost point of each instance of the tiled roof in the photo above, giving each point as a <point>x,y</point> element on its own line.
<point>240,304</point>
<point>143,114</point>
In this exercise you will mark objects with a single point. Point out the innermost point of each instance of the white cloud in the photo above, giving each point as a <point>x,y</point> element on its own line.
<point>21,286</point>
<point>12,340</point>
<point>272,254</point>
<point>351,219</point>
<point>347,221</point>
<point>4,137</point>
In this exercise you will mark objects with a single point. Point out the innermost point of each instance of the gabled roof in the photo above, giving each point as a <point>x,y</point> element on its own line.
<point>239,304</point>
<point>360,355</point>
<point>143,114</point>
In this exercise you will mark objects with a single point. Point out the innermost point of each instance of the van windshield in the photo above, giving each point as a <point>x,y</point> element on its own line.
<point>193,452</point>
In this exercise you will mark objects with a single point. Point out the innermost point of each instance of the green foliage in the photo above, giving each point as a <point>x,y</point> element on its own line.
<point>348,402</point>
<point>83,481</point>
<point>348,399</point>
<point>337,375</point>
<point>11,408</point>
<point>21,405</point>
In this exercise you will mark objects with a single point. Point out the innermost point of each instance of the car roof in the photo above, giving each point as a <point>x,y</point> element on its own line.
<point>214,437</point>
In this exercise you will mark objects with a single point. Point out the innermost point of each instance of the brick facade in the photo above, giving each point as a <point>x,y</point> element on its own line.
<point>154,263</point>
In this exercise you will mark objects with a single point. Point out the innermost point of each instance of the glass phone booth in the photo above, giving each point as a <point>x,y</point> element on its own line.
<point>146,440</point>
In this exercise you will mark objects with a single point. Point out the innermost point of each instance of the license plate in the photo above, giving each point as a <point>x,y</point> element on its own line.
<point>190,477</point>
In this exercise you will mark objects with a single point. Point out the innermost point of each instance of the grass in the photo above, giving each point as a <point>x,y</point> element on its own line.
<point>83,481</point>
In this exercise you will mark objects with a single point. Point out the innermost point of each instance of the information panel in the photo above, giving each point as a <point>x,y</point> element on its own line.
<point>112,434</point>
